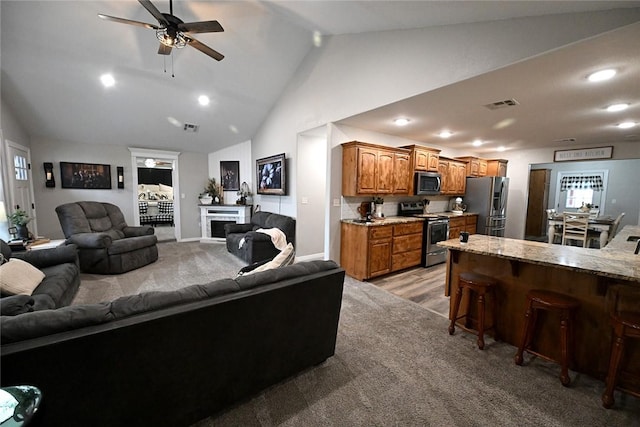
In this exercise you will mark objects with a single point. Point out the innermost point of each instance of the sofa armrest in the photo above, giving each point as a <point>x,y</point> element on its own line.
<point>42,258</point>
<point>137,230</point>
<point>257,237</point>
<point>91,240</point>
<point>237,228</point>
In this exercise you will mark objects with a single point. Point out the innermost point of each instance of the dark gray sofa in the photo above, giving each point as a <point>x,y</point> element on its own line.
<point>106,244</point>
<point>173,358</point>
<point>57,289</point>
<point>258,246</point>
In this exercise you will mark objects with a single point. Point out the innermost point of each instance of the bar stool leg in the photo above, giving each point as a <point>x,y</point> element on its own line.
<point>564,338</point>
<point>454,313</point>
<point>481,321</point>
<point>614,368</point>
<point>527,333</point>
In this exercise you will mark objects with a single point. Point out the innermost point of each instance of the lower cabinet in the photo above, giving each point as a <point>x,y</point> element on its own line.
<point>371,251</point>
<point>462,223</point>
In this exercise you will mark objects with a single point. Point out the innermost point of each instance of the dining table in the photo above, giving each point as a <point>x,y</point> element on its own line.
<point>600,224</point>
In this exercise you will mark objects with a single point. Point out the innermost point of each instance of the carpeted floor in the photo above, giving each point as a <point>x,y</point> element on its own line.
<point>395,364</point>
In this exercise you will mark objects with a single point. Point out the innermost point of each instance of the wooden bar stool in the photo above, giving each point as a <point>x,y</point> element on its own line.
<point>625,325</point>
<point>566,306</point>
<point>481,286</point>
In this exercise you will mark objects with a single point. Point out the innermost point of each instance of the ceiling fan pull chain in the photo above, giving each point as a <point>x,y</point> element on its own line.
<point>164,63</point>
<point>172,75</point>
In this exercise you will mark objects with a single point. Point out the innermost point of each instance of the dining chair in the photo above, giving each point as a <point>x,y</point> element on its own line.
<point>575,226</point>
<point>614,227</point>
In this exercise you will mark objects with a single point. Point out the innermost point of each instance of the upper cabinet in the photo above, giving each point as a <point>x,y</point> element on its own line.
<point>423,158</point>
<point>369,169</point>
<point>497,167</point>
<point>454,176</point>
<point>475,165</point>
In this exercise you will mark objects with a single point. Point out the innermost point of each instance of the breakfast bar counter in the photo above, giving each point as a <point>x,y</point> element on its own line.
<point>589,275</point>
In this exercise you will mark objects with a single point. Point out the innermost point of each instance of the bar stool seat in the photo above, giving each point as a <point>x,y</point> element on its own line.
<point>566,306</point>
<point>480,285</point>
<point>625,325</point>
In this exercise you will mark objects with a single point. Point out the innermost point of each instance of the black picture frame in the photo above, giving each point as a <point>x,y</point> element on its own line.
<point>230,175</point>
<point>89,176</point>
<point>271,174</point>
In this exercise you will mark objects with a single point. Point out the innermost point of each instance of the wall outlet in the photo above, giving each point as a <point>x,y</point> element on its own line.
<point>336,202</point>
<point>304,200</point>
<point>613,201</point>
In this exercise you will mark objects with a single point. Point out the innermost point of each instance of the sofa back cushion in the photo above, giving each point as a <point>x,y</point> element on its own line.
<point>91,217</point>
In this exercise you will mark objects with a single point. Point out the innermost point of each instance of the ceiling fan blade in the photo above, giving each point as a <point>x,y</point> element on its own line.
<point>204,49</point>
<point>128,21</point>
<point>201,27</point>
<point>155,12</point>
<point>164,49</point>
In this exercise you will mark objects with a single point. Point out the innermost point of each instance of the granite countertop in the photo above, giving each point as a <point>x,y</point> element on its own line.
<point>616,260</point>
<point>390,220</point>
<point>455,215</point>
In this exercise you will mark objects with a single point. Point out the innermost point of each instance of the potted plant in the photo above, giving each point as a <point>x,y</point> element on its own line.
<point>210,193</point>
<point>20,219</point>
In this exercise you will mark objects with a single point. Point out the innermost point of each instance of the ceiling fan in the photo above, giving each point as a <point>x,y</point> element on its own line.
<point>172,31</point>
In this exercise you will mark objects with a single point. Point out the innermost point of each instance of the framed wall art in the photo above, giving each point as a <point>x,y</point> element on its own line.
<point>85,175</point>
<point>271,175</point>
<point>230,175</point>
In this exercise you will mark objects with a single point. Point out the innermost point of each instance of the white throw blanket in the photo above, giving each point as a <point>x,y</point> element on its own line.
<point>278,237</point>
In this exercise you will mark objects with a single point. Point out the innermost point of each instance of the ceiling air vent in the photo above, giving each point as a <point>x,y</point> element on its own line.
<point>502,104</point>
<point>565,140</point>
<point>190,127</point>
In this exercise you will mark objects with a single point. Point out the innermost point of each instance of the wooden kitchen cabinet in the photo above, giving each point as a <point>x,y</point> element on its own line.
<point>497,167</point>
<point>369,169</point>
<point>475,165</point>
<point>423,158</point>
<point>458,224</point>
<point>371,251</point>
<point>454,176</point>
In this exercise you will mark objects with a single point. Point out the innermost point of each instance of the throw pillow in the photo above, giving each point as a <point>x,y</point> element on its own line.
<point>286,257</point>
<point>16,304</point>
<point>19,277</point>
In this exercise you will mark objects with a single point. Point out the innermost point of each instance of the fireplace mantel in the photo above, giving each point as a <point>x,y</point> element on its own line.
<point>240,214</point>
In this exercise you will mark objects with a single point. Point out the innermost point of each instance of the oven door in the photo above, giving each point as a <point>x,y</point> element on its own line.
<point>435,231</point>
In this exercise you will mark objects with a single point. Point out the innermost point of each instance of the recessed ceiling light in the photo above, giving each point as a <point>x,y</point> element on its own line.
<point>203,100</point>
<point>601,75</point>
<point>107,80</point>
<point>617,107</point>
<point>477,143</point>
<point>401,121</point>
<point>501,148</point>
<point>627,125</point>
<point>445,134</point>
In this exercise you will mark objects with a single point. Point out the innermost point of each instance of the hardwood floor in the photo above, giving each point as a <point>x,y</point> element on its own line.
<point>424,286</point>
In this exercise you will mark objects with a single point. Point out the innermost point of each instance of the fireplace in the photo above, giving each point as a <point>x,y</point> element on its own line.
<point>217,227</point>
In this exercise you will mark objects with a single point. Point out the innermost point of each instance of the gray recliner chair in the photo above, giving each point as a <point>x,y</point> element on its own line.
<point>256,246</point>
<point>106,244</point>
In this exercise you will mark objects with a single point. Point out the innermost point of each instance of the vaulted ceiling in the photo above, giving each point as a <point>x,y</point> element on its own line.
<point>53,54</point>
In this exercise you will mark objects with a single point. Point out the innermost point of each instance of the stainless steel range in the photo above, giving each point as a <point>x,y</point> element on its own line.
<point>436,229</point>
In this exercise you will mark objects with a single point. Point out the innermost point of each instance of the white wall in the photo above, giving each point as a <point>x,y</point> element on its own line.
<point>350,74</point>
<point>239,152</point>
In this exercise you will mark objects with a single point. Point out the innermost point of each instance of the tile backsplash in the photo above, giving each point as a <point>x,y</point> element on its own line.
<point>349,207</point>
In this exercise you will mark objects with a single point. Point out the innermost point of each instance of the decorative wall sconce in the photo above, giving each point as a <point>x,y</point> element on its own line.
<point>49,180</point>
<point>120,174</point>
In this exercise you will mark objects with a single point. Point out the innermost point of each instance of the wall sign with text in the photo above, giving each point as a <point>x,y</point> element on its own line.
<point>583,154</point>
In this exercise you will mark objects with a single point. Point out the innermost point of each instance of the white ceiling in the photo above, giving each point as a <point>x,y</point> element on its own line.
<point>54,52</point>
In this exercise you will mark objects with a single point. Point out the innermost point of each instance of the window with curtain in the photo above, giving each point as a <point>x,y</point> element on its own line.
<point>578,189</point>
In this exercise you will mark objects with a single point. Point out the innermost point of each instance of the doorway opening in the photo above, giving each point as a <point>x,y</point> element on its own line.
<point>156,195</point>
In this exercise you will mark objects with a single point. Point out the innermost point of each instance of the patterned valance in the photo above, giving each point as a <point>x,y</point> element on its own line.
<point>593,182</point>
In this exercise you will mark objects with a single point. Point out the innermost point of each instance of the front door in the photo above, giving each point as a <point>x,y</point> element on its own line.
<point>20,190</point>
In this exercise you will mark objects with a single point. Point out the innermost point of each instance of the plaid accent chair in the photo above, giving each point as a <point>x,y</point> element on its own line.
<point>143,209</point>
<point>165,212</point>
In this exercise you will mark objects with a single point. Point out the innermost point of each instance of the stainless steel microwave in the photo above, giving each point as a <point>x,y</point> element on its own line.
<point>427,183</point>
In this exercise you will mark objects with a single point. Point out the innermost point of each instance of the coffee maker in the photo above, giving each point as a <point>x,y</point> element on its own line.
<point>366,210</point>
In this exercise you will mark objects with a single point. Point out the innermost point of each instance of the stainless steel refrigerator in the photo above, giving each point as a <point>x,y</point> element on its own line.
<point>487,196</point>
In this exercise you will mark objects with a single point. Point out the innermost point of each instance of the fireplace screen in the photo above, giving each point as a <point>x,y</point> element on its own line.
<point>217,227</point>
